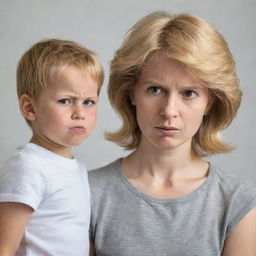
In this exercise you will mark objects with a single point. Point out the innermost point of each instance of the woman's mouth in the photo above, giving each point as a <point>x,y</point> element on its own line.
<point>167,130</point>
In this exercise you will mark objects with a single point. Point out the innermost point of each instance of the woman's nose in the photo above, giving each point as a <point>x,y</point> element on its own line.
<point>169,107</point>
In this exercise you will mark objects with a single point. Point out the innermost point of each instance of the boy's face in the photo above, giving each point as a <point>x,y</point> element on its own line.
<point>65,112</point>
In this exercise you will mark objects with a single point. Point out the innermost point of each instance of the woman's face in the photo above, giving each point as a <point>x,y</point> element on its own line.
<point>170,103</point>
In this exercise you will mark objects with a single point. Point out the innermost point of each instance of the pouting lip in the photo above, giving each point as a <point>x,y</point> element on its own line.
<point>167,128</point>
<point>77,127</point>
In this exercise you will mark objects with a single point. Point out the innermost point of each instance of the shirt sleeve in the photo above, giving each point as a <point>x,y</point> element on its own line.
<point>244,202</point>
<point>23,182</point>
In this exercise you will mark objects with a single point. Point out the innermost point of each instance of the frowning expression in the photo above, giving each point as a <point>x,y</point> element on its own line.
<point>65,112</point>
<point>170,103</point>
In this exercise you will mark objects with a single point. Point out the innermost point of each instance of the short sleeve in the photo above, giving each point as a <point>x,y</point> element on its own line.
<point>245,201</point>
<point>23,181</point>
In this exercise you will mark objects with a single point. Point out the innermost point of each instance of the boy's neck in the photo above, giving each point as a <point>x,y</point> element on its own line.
<point>51,146</point>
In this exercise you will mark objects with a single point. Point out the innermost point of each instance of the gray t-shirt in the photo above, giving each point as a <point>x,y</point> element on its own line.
<point>127,222</point>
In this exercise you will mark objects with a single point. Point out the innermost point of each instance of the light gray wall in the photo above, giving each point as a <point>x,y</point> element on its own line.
<point>100,25</point>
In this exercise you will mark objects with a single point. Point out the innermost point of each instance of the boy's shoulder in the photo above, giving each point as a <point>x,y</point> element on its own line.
<point>23,179</point>
<point>24,165</point>
<point>23,157</point>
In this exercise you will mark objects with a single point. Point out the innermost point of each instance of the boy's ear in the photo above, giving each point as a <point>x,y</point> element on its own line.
<point>26,105</point>
<point>132,100</point>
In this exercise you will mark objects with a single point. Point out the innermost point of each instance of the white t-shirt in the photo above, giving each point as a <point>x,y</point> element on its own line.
<point>57,189</point>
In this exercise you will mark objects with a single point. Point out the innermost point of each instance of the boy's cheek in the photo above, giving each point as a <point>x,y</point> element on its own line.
<point>92,115</point>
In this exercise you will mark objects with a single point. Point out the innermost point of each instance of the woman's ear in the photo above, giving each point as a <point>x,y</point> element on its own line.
<point>210,103</point>
<point>207,109</point>
<point>26,105</point>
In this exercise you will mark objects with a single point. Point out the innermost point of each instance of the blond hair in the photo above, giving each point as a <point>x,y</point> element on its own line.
<point>193,42</point>
<point>47,58</point>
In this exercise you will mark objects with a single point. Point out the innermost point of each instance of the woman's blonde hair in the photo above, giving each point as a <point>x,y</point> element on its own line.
<point>193,42</point>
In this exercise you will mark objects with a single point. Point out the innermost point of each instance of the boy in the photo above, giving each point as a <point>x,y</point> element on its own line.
<point>44,193</point>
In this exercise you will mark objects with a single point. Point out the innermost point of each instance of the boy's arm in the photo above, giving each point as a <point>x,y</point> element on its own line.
<point>92,249</point>
<point>242,240</point>
<point>13,220</point>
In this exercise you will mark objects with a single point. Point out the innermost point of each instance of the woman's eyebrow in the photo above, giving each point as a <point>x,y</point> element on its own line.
<point>153,82</point>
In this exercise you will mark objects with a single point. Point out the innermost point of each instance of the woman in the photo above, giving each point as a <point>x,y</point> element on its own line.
<point>174,84</point>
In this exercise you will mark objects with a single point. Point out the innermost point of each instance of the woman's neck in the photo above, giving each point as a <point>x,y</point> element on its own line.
<point>165,173</point>
<point>163,164</point>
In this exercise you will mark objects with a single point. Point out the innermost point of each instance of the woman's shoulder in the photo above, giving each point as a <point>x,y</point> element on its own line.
<point>104,174</point>
<point>233,184</point>
<point>236,193</point>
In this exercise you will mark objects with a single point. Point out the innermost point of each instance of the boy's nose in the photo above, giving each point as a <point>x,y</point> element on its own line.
<point>78,114</point>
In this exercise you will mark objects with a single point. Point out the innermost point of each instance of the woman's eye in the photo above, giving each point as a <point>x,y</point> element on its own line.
<point>89,102</point>
<point>64,101</point>
<point>154,89</point>
<point>190,94</point>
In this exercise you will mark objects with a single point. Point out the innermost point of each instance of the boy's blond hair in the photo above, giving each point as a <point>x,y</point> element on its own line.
<point>40,65</point>
<point>193,42</point>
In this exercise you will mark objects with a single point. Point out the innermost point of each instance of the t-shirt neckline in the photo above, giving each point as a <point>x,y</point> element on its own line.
<point>188,197</point>
<point>49,155</point>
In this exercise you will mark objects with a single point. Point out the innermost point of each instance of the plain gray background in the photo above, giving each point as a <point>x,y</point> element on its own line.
<point>101,25</point>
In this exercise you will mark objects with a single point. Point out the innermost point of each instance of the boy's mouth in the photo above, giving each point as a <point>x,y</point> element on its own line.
<point>78,128</point>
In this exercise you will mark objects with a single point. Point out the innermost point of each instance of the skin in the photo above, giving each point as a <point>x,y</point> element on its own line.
<point>168,96</point>
<point>170,104</point>
<point>92,249</point>
<point>242,240</point>
<point>65,113</point>
<point>13,220</point>
<point>63,116</point>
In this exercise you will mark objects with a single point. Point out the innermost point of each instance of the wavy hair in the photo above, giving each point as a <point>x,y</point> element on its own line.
<point>203,50</point>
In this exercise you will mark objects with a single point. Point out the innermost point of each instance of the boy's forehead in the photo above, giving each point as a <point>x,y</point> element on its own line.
<point>74,73</point>
<point>73,80</point>
<point>71,74</point>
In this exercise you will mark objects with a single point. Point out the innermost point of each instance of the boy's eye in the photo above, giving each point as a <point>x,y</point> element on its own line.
<point>190,94</point>
<point>154,89</point>
<point>64,101</point>
<point>89,102</point>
